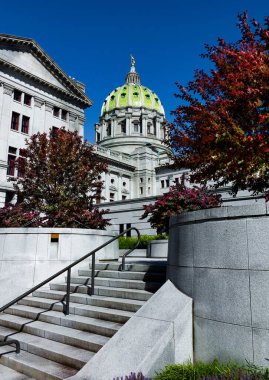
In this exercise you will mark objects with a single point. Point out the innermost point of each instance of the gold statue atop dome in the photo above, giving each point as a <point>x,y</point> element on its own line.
<point>132,60</point>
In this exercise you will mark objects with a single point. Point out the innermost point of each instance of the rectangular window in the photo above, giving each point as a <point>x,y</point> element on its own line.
<point>64,115</point>
<point>108,131</point>
<point>53,132</point>
<point>11,161</point>
<point>121,228</point>
<point>15,121</point>
<point>162,183</point>
<point>17,95</point>
<point>123,128</point>
<point>111,197</point>
<point>136,128</point>
<point>141,180</point>
<point>128,225</point>
<point>21,160</point>
<point>25,124</point>
<point>56,111</point>
<point>148,190</point>
<point>167,182</point>
<point>123,197</point>
<point>9,197</point>
<point>27,100</point>
<point>176,180</point>
<point>141,190</point>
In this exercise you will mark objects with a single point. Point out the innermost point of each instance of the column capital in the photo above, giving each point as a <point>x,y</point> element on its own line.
<point>7,89</point>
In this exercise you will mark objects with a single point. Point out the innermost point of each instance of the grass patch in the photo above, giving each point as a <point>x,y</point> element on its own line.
<point>130,242</point>
<point>212,371</point>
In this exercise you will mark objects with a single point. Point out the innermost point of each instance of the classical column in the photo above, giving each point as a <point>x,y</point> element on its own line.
<point>144,125</point>
<point>38,116</point>
<point>81,121</point>
<point>128,125</point>
<point>158,128</point>
<point>48,116</point>
<point>5,121</point>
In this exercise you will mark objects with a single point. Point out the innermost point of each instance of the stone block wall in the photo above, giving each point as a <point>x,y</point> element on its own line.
<point>220,258</point>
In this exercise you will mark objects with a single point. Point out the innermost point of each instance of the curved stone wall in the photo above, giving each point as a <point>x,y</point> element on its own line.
<point>220,258</point>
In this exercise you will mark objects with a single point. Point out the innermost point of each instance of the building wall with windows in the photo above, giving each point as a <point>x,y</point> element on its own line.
<point>35,96</point>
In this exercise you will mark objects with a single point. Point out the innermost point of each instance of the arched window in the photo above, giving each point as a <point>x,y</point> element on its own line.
<point>108,130</point>
<point>123,126</point>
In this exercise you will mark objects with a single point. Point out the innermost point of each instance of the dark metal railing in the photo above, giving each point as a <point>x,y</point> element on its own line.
<point>8,343</point>
<point>68,270</point>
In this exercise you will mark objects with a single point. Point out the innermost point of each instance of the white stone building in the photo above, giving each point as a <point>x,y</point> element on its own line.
<point>129,134</point>
<point>35,96</point>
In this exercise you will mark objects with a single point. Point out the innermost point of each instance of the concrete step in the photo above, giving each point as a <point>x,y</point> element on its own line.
<point>142,276</point>
<point>137,294</point>
<point>118,283</point>
<point>47,297</point>
<point>67,335</point>
<point>9,374</point>
<point>61,353</point>
<point>36,367</point>
<point>149,267</point>
<point>136,253</point>
<point>94,325</point>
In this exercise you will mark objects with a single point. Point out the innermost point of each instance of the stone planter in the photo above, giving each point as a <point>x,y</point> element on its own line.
<point>220,258</point>
<point>157,248</point>
<point>30,255</point>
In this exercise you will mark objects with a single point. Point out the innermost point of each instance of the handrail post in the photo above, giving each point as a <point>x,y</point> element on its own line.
<point>93,274</point>
<point>67,299</point>
<point>123,263</point>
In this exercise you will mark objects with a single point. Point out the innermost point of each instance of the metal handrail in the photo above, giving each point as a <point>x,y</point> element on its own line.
<point>68,270</point>
<point>8,343</point>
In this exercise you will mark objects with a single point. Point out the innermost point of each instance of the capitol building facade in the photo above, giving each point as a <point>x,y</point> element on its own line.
<point>36,95</point>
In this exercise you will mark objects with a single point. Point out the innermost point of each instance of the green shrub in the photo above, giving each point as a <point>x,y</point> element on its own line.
<point>212,371</point>
<point>130,242</point>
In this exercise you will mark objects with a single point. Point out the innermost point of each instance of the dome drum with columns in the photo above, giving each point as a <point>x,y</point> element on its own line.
<point>132,116</point>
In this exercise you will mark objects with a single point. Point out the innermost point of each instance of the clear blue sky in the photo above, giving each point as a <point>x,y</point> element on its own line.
<point>92,40</point>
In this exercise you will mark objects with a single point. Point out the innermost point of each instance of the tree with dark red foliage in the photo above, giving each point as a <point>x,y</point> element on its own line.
<point>178,200</point>
<point>59,179</point>
<point>221,129</point>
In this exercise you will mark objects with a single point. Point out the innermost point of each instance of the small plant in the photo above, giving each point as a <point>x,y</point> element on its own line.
<point>133,376</point>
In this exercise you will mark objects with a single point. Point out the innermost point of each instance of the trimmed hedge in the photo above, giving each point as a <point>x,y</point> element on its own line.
<point>130,242</point>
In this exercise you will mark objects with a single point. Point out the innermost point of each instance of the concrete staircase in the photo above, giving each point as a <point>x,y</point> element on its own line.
<point>55,346</point>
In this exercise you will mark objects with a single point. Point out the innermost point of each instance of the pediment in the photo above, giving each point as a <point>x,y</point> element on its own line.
<point>26,56</point>
<point>26,61</point>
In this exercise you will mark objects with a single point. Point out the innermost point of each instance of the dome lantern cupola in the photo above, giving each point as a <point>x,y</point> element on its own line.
<point>132,76</point>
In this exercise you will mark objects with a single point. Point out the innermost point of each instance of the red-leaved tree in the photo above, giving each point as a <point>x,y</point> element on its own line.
<point>59,179</point>
<point>178,200</point>
<point>221,129</point>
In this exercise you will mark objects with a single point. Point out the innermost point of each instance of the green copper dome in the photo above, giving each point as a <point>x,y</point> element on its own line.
<point>132,94</point>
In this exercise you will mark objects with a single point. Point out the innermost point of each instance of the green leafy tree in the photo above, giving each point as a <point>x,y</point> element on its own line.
<point>221,127</point>
<point>59,178</point>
